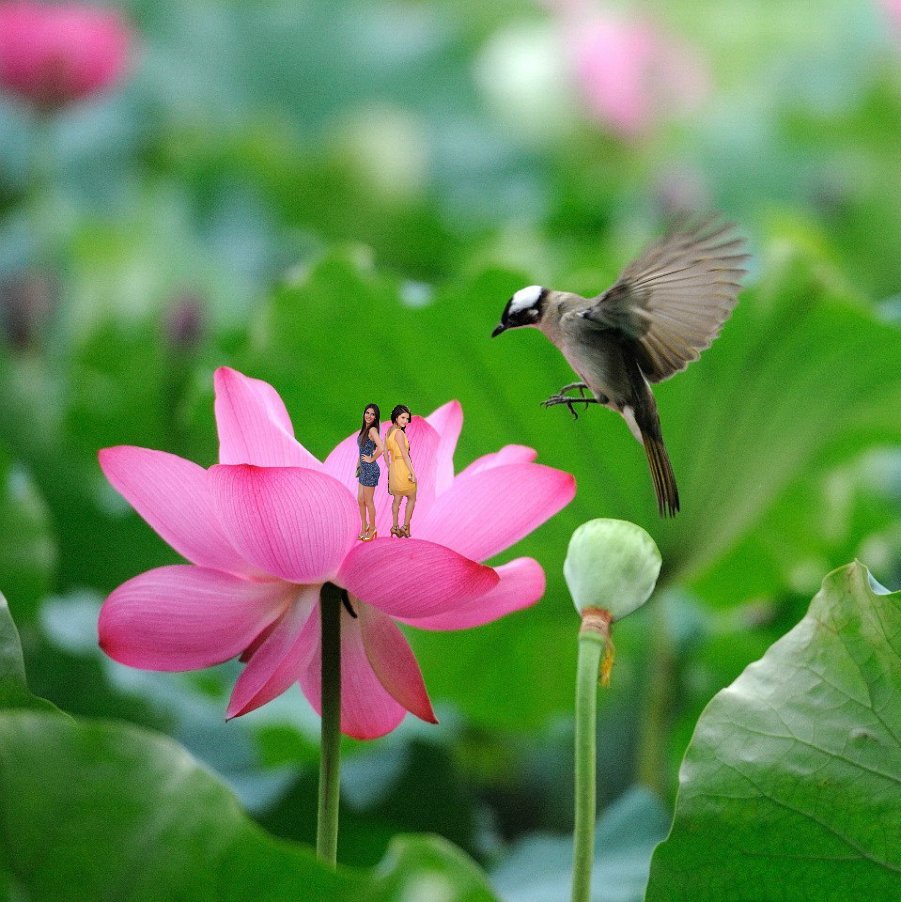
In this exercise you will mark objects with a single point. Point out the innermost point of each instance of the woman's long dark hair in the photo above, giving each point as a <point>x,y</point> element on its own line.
<point>364,429</point>
<point>401,408</point>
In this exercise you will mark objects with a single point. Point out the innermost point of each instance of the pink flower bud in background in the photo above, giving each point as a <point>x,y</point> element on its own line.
<point>631,74</point>
<point>54,55</point>
<point>892,10</point>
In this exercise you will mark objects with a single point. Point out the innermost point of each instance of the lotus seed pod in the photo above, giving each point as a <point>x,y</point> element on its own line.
<point>612,565</point>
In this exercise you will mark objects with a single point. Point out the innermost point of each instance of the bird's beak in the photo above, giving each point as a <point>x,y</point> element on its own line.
<point>500,327</point>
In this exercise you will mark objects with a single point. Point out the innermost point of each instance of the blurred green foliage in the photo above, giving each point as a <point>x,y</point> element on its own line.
<point>328,197</point>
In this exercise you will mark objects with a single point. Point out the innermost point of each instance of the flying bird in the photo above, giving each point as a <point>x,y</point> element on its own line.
<point>666,307</point>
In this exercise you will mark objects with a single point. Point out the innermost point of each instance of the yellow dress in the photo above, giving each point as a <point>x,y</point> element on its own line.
<point>399,479</point>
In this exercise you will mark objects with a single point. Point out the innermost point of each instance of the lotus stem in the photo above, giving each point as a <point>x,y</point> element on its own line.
<point>330,753</point>
<point>593,643</point>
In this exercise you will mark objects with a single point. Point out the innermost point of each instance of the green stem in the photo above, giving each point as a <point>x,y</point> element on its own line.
<point>330,755</point>
<point>592,641</point>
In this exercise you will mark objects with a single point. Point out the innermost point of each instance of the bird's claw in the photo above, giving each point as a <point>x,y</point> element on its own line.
<point>581,387</point>
<point>560,398</point>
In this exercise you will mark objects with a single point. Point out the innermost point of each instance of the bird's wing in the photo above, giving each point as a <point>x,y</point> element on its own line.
<point>673,299</point>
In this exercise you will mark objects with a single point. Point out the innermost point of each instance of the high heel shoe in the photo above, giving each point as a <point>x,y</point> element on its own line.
<point>397,531</point>
<point>405,531</point>
<point>368,538</point>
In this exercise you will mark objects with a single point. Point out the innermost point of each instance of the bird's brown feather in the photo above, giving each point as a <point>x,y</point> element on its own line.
<point>674,298</point>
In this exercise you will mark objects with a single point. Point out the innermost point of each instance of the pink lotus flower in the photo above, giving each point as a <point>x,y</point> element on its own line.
<point>269,525</point>
<point>53,55</point>
<point>631,74</point>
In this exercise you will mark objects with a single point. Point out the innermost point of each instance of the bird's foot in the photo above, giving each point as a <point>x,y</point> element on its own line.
<point>561,398</point>
<point>581,387</point>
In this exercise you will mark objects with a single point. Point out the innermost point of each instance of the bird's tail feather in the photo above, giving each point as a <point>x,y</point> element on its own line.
<point>662,475</point>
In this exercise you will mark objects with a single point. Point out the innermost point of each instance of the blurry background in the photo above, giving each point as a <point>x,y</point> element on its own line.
<point>339,197</point>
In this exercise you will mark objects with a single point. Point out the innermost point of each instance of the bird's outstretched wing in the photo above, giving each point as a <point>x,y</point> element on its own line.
<point>673,299</point>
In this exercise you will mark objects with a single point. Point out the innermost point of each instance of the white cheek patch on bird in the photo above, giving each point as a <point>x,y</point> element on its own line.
<point>667,306</point>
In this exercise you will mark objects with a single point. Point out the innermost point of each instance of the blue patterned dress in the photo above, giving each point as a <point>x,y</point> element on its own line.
<point>369,472</point>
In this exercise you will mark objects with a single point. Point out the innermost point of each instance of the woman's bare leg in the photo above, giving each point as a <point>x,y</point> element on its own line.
<point>369,501</point>
<point>408,510</point>
<point>361,501</point>
<point>395,509</point>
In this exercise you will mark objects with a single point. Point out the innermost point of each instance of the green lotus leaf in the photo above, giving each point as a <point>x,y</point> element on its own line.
<point>790,786</point>
<point>14,692</point>
<point>105,810</point>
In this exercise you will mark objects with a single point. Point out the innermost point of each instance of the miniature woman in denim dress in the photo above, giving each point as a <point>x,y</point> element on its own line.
<point>371,448</point>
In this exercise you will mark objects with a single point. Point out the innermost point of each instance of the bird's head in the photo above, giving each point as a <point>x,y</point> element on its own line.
<point>525,308</point>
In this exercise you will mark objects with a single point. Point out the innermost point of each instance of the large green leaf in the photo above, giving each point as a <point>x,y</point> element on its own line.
<point>109,811</point>
<point>848,512</point>
<point>14,692</point>
<point>428,867</point>
<point>101,810</point>
<point>27,550</point>
<point>790,786</point>
<point>105,810</point>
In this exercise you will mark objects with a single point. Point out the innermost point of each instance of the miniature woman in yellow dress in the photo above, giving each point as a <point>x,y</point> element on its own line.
<point>401,478</point>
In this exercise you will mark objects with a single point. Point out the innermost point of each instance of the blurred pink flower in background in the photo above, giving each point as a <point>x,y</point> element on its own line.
<point>268,526</point>
<point>54,55</point>
<point>892,10</point>
<point>630,72</point>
